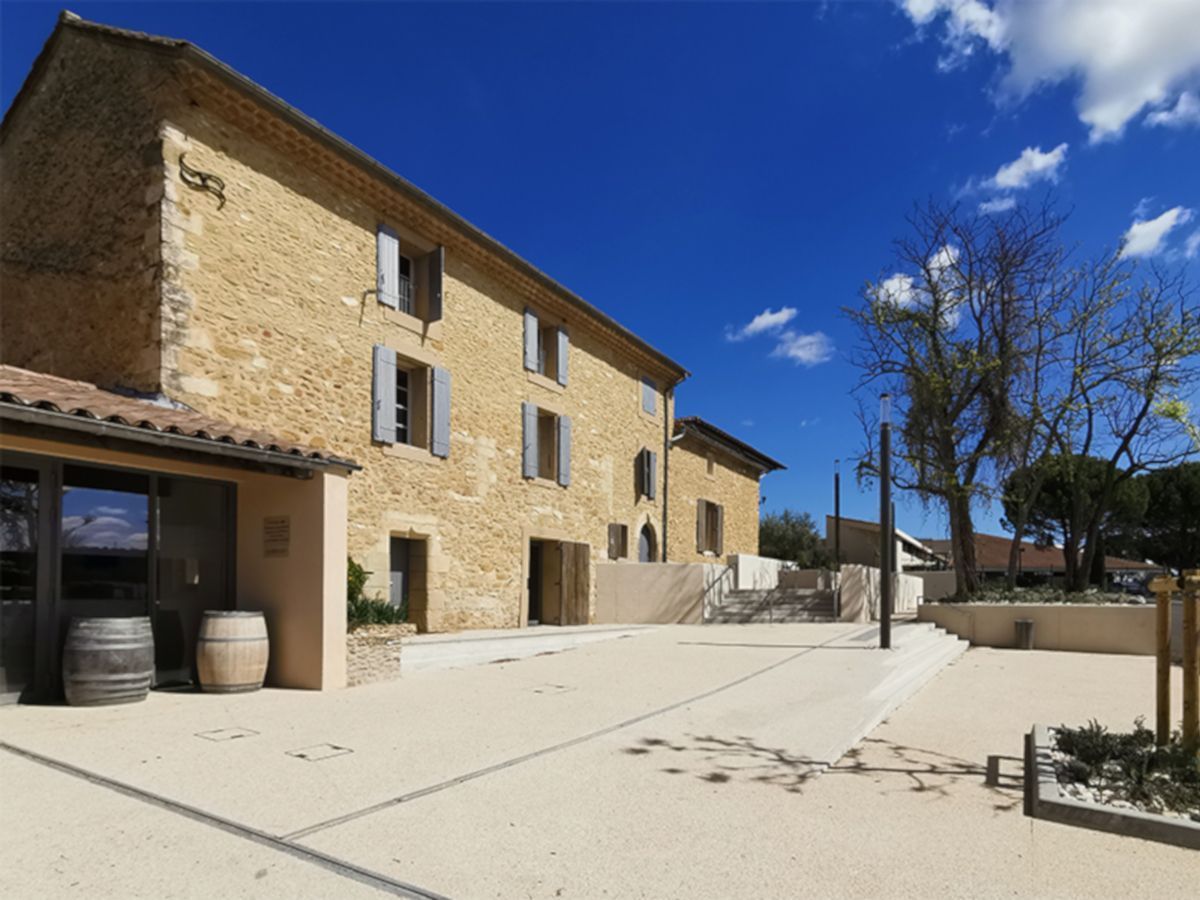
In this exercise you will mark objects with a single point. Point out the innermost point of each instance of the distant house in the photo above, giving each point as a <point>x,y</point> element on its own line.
<point>992,550</point>
<point>860,545</point>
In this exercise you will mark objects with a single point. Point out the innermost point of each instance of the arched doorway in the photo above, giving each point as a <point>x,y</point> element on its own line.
<point>647,545</point>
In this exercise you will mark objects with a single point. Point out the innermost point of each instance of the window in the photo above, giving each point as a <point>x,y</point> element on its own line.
<point>710,526</point>
<point>646,467</point>
<point>405,289</point>
<point>649,395</point>
<point>410,403</point>
<point>408,279</point>
<point>618,541</point>
<point>546,348</point>
<point>711,465</point>
<point>546,444</point>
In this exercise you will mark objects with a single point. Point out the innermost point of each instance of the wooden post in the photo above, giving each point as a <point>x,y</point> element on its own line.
<point>1191,662</point>
<point>1163,587</point>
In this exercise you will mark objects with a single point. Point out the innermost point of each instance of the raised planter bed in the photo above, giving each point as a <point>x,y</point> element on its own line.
<point>1046,797</point>
<point>373,652</point>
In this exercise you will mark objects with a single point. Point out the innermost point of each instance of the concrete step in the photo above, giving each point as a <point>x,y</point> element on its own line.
<point>426,652</point>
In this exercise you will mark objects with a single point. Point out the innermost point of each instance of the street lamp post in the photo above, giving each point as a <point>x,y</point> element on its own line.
<point>837,515</point>
<point>887,543</point>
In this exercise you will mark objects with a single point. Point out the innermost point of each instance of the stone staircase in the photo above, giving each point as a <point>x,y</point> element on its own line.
<point>778,605</point>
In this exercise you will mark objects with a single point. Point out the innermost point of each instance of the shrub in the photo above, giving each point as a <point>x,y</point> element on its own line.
<point>1131,766</point>
<point>362,610</point>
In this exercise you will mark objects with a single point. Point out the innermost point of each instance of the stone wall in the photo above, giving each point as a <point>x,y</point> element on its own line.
<point>273,323</point>
<point>373,652</point>
<point>731,483</point>
<point>79,231</point>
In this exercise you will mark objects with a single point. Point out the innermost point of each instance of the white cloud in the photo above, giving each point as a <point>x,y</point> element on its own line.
<point>1186,111</point>
<point>998,205</point>
<point>1146,237</point>
<point>907,292</point>
<point>898,289</point>
<point>804,349</point>
<point>769,320</point>
<point>1126,55</point>
<point>1192,247</point>
<point>108,511</point>
<point>1031,166</point>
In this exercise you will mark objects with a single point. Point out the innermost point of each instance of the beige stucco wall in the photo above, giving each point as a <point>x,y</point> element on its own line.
<point>733,484</point>
<point>303,594</point>
<point>860,593</point>
<point>1080,627</point>
<point>659,593</point>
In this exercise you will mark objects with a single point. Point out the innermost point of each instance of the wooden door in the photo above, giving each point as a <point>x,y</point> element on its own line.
<point>576,583</point>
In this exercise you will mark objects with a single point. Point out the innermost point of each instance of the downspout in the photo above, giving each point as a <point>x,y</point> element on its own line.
<point>667,397</point>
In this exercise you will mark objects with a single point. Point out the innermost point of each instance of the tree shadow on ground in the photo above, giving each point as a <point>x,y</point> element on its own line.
<point>893,766</point>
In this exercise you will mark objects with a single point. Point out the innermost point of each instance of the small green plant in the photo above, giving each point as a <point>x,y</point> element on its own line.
<point>361,609</point>
<point>1131,766</point>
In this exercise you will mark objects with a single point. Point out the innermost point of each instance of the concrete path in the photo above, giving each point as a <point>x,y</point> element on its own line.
<point>676,763</point>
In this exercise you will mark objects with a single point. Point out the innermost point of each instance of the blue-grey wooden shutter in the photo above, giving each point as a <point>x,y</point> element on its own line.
<point>564,450</point>
<point>437,268</point>
<point>439,441</point>
<point>719,538</point>
<point>531,340</point>
<point>387,266</point>
<point>701,522</point>
<point>651,473</point>
<point>564,344</point>
<point>529,440</point>
<point>648,393</point>
<point>383,409</point>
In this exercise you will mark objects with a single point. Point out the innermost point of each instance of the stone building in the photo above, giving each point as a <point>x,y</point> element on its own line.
<point>173,231</point>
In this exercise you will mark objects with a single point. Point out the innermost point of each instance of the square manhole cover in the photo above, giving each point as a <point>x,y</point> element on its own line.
<point>318,752</point>
<point>226,734</point>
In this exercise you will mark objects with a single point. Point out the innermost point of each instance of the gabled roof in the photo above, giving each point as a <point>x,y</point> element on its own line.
<point>920,548</point>
<point>40,399</point>
<point>188,52</point>
<point>711,434</point>
<point>991,554</point>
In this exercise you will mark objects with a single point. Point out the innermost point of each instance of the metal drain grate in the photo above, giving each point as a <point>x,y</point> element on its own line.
<point>318,752</point>
<point>226,734</point>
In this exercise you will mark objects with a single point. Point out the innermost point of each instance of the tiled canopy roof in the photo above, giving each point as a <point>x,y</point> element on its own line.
<point>991,554</point>
<point>22,388</point>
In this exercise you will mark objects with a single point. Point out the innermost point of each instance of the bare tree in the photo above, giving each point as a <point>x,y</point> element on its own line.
<point>950,335</point>
<point>1135,354</point>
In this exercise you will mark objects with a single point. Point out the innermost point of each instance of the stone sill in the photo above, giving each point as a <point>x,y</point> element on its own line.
<point>542,381</point>
<point>428,330</point>
<point>547,483</point>
<point>409,452</point>
<point>1044,799</point>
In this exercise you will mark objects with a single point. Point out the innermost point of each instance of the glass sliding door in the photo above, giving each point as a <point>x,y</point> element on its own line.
<point>194,570</point>
<point>20,525</point>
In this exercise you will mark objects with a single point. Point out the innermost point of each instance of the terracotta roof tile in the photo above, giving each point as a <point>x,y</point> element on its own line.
<point>37,390</point>
<point>991,553</point>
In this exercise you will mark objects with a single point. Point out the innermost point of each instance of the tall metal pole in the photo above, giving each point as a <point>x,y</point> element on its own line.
<point>837,515</point>
<point>886,543</point>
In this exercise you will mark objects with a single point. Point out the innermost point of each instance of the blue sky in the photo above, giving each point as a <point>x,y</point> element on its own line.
<point>686,167</point>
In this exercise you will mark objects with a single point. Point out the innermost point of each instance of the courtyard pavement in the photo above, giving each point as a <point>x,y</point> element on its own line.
<point>680,762</point>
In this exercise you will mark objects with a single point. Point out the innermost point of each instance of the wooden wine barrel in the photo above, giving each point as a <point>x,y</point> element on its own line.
<point>231,652</point>
<point>108,660</point>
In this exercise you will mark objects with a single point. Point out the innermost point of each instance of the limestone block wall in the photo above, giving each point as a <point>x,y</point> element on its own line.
<point>731,483</point>
<point>373,653</point>
<point>272,322</point>
<point>79,232</point>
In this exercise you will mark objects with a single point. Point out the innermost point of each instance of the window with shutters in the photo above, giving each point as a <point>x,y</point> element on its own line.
<point>410,403</point>
<point>709,527</point>
<point>408,276</point>
<point>546,451</point>
<point>648,396</point>
<point>618,541</point>
<point>547,345</point>
<point>646,473</point>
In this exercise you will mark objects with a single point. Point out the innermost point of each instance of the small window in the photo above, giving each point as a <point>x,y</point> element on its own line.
<point>712,466</point>
<point>403,408</point>
<point>405,289</point>
<point>649,395</point>
<point>710,527</point>
<point>618,541</point>
<point>548,351</point>
<point>547,439</point>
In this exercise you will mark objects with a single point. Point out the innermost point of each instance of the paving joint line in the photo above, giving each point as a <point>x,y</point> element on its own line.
<point>554,748</point>
<point>281,844</point>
